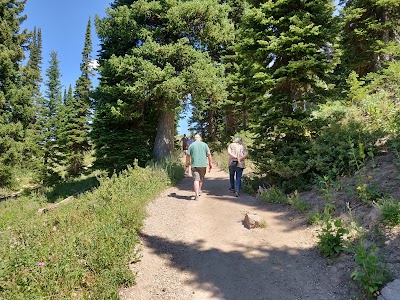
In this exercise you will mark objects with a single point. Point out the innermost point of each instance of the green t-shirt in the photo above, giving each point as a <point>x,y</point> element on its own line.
<point>198,154</point>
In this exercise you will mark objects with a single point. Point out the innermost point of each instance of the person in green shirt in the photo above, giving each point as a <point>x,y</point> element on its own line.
<point>198,156</point>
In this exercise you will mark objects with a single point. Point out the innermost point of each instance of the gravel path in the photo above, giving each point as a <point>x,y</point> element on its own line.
<point>201,250</point>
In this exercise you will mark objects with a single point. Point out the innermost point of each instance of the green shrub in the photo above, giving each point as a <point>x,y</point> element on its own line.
<point>369,193</point>
<point>314,218</point>
<point>370,273</point>
<point>295,201</point>
<point>331,239</point>
<point>273,195</point>
<point>390,212</point>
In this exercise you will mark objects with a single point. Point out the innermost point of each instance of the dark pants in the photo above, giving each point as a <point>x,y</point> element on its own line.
<point>235,183</point>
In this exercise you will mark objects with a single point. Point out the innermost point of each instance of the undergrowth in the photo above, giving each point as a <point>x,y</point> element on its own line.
<point>81,249</point>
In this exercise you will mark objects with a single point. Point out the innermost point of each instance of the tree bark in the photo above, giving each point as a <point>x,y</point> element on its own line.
<point>164,142</point>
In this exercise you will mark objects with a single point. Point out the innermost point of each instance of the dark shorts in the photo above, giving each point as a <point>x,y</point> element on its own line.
<point>198,173</point>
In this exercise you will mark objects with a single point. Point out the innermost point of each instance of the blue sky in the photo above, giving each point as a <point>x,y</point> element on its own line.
<point>63,24</point>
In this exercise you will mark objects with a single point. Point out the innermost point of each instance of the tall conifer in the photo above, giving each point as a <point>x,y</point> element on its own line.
<point>77,109</point>
<point>370,35</point>
<point>289,45</point>
<point>49,119</point>
<point>151,50</point>
<point>15,101</point>
<point>33,80</point>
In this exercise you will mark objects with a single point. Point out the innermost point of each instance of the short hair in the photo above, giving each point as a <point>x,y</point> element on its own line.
<point>197,137</point>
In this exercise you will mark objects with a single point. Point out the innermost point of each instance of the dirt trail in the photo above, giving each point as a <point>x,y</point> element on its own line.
<point>201,250</point>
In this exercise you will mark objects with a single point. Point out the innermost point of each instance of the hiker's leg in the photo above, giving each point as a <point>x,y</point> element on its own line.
<point>196,187</point>
<point>202,173</point>
<point>239,173</point>
<point>196,180</point>
<point>232,170</point>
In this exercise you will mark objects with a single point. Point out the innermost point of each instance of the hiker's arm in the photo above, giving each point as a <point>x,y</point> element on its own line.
<point>245,153</point>
<point>230,153</point>
<point>187,161</point>
<point>209,160</point>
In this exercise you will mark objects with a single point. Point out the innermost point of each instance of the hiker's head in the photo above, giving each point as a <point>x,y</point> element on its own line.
<point>197,137</point>
<point>237,139</point>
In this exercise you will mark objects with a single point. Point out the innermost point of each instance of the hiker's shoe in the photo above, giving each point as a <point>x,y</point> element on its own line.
<point>196,198</point>
<point>232,189</point>
<point>236,194</point>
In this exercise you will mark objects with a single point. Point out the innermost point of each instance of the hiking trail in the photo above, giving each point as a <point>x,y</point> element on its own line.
<point>200,250</point>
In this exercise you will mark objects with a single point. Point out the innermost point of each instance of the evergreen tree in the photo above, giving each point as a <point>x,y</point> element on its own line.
<point>77,112</point>
<point>370,35</point>
<point>145,68</point>
<point>288,45</point>
<point>15,102</point>
<point>238,105</point>
<point>49,119</point>
<point>33,80</point>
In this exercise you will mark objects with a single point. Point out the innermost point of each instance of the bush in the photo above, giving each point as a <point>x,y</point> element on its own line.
<point>314,218</point>
<point>273,195</point>
<point>370,273</point>
<point>390,212</point>
<point>331,239</point>
<point>295,201</point>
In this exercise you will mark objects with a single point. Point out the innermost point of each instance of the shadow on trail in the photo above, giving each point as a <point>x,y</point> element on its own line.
<point>180,197</point>
<point>252,273</point>
<point>217,188</point>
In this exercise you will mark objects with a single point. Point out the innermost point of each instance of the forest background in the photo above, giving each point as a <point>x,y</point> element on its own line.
<point>314,91</point>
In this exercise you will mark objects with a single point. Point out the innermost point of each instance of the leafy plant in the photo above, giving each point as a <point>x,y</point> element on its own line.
<point>331,239</point>
<point>314,218</point>
<point>390,211</point>
<point>273,195</point>
<point>369,193</point>
<point>295,201</point>
<point>370,273</point>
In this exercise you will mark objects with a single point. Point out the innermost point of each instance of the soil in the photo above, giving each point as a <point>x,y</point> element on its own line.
<point>200,249</point>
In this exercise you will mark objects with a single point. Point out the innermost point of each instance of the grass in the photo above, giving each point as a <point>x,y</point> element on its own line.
<point>274,195</point>
<point>79,250</point>
<point>390,211</point>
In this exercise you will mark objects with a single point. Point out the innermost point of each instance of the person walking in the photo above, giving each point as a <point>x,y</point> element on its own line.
<point>196,156</point>
<point>237,153</point>
<point>185,143</point>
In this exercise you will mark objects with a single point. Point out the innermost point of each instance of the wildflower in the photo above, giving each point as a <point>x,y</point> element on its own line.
<point>41,263</point>
<point>59,279</point>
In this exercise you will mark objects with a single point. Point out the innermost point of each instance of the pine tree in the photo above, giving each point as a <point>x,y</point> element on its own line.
<point>289,45</point>
<point>237,106</point>
<point>370,35</point>
<point>15,102</point>
<point>49,119</point>
<point>33,79</point>
<point>77,112</point>
<point>145,68</point>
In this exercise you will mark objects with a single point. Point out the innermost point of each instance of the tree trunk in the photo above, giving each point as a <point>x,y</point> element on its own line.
<point>164,142</point>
